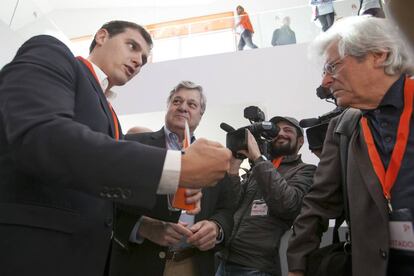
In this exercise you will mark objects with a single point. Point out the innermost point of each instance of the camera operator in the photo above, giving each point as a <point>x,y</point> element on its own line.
<point>269,199</point>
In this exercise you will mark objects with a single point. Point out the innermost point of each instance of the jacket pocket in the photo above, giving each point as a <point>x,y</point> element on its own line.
<point>44,217</point>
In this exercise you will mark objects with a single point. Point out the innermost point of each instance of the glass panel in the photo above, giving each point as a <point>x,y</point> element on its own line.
<point>215,33</point>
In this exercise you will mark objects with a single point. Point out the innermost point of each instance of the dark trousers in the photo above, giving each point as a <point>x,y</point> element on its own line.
<point>246,38</point>
<point>232,269</point>
<point>326,20</point>
<point>400,263</point>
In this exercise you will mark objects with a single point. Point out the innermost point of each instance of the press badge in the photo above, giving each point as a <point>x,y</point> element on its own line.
<point>401,230</point>
<point>259,208</point>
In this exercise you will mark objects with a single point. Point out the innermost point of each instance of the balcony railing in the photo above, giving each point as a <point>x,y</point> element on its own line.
<point>216,33</point>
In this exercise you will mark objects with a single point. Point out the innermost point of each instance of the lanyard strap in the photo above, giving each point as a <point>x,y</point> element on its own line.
<point>114,117</point>
<point>115,120</point>
<point>276,162</point>
<point>387,178</point>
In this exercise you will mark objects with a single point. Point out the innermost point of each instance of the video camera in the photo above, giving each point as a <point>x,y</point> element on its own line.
<point>317,127</point>
<point>324,118</point>
<point>263,131</point>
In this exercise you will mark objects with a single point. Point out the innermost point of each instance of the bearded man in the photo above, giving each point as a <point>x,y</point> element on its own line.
<point>269,199</point>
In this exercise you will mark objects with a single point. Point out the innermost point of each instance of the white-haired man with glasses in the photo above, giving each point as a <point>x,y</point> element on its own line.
<point>366,67</point>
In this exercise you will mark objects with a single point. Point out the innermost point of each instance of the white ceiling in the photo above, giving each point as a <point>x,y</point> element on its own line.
<point>76,18</point>
<point>90,4</point>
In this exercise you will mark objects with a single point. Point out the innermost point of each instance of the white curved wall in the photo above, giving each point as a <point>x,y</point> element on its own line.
<point>280,80</point>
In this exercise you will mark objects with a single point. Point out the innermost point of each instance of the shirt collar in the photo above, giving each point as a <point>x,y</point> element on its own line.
<point>172,139</point>
<point>291,158</point>
<point>103,81</point>
<point>102,77</point>
<point>394,96</point>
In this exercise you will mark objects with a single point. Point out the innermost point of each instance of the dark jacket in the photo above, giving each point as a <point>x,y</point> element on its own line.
<point>148,258</point>
<point>255,240</point>
<point>283,36</point>
<point>60,166</point>
<point>369,216</point>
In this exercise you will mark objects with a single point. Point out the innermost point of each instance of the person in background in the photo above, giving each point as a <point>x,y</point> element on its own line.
<point>367,67</point>
<point>323,10</point>
<point>371,7</point>
<point>138,129</point>
<point>167,241</point>
<point>246,29</point>
<point>284,35</point>
<point>269,199</point>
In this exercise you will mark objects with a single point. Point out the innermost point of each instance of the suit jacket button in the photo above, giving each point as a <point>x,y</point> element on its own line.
<point>104,192</point>
<point>161,255</point>
<point>117,193</point>
<point>383,254</point>
<point>109,221</point>
<point>126,193</point>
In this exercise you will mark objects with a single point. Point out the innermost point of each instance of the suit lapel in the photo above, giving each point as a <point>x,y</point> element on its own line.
<point>101,96</point>
<point>370,179</point>
<point>158,139</point>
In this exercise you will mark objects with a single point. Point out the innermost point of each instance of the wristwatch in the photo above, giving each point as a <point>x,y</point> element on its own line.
<point>220,234</point>
<point>261,158</point>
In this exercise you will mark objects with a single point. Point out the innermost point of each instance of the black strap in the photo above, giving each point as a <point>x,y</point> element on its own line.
<point>346,125</point>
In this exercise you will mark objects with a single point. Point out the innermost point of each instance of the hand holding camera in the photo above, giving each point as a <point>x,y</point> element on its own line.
<point>253,138</point>
<point>253,151</point>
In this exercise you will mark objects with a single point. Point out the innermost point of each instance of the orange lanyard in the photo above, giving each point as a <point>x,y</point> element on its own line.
<point>387,178</point>
<point>276,162</point>
<point>114,117</point>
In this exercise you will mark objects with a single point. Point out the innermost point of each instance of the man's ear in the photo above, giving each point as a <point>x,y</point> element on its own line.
<point>300,142</point>
<point>379,58</point>
<point>101,36</point>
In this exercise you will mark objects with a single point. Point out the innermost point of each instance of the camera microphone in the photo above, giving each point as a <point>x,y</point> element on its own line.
<point>309,122</point>
<point>324,93</point>
<point>226,127</point>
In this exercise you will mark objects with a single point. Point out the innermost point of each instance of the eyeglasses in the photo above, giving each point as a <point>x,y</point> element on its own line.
<point>332,68</point>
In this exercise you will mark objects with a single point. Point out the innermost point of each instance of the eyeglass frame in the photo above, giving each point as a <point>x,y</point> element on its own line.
<point>331,68</point>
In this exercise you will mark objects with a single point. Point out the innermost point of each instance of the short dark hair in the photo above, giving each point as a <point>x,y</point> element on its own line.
<point>118,26</point>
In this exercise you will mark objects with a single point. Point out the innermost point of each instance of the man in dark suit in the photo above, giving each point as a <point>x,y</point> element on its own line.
<point>61,164</point>
<point>366,63</point>
<point>165,241</point>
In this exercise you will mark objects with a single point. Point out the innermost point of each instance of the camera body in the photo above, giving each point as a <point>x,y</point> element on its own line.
<point>317,127</point>
<point>263,132</point>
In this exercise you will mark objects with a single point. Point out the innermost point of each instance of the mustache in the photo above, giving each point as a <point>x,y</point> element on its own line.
<point>281,137</point>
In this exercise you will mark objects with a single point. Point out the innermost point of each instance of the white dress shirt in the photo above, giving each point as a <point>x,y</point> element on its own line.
<point>172,164</point>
